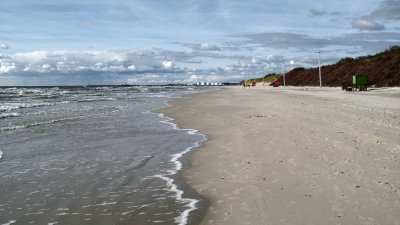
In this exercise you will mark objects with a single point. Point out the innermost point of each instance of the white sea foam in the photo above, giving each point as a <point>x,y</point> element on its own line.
<point>1,154</point>
<point>14,105</point>
<point>96,99</point>
<point>5,115</point>
<point>31,125</point>
<point>159,96</point>
<point>143,89</point>
<point>22,171</point>
<point>63,209</point>
<point>190,203</point>
<point>34,124</point>
<point>11,128</point>
<point>10,222</point>
<point>101,204</point>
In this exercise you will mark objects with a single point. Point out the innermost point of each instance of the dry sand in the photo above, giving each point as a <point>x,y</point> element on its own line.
<point>295,155</point>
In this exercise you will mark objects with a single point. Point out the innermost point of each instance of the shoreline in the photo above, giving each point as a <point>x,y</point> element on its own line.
<point>294,155</point>
<point>174,184</point>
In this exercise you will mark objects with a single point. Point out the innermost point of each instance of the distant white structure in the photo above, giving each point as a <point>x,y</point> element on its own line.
<point>208,84</point>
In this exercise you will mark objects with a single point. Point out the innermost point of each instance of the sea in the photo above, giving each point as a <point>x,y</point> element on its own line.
<point>98,155</point>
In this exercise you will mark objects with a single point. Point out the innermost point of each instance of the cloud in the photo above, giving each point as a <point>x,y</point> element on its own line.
<point>366,24</point>
<point>336,13</point>
<point>286,40</point>
<point>388,9</point>
<point>209,47</point>
<point>168,64</point>
<point>4,46</point>
<point>86,61</point>
<point>149,66</point>
<point>255,61</point>
<point>369,41</point>
<point>315,12</point>
<point>253,53</point>
<point>152,66</point>
<point>132,67</point>
<point>203,47</point>
<point>7,67</point>
<point>194,61</point>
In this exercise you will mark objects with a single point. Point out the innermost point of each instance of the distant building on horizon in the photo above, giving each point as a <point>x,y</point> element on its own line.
<point>209,84</point>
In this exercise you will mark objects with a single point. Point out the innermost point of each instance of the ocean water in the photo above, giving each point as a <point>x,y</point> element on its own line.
<point>94,155</point>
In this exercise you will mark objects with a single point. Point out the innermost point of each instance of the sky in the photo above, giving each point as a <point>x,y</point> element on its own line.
<point>75,42</point>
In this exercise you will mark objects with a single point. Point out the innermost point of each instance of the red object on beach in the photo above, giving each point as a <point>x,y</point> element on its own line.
<point>276,83</point>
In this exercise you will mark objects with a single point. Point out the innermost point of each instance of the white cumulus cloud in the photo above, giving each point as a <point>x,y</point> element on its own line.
<point>168,64</point>
<point>4,46</point>
<point>132,67</point>
<point>255,61</point>
<point>7,67</point>
<point>70,61</point>
<point>209,47</point>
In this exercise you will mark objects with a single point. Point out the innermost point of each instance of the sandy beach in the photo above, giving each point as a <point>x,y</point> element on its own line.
<point>295,155</point>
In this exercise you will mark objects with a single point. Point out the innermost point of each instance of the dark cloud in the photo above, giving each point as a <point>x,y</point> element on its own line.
<point>372,41</point>
<point>168,66</point>
<point>315,12</point>
<point>366,24</point>
<point>193,61</point>
<point>336,13</point>
<point>132,18</point>
<point>286,40</point>
<point>388,9</point>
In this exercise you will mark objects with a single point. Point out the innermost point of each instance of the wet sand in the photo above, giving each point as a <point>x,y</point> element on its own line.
<point>295,155</point>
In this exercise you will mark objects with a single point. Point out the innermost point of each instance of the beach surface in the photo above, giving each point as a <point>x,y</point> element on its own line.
<point>295,155</point>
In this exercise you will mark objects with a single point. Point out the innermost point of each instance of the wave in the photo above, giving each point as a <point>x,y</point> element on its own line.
<point>15,105</point>
<point>6,107</point>
<point>190,203</point>
<point>30,125</point>
<point>6,115</point>
<point>96,99</point>
<point>38,123</point>
<point>1,154</point>
<point>8,96</point>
